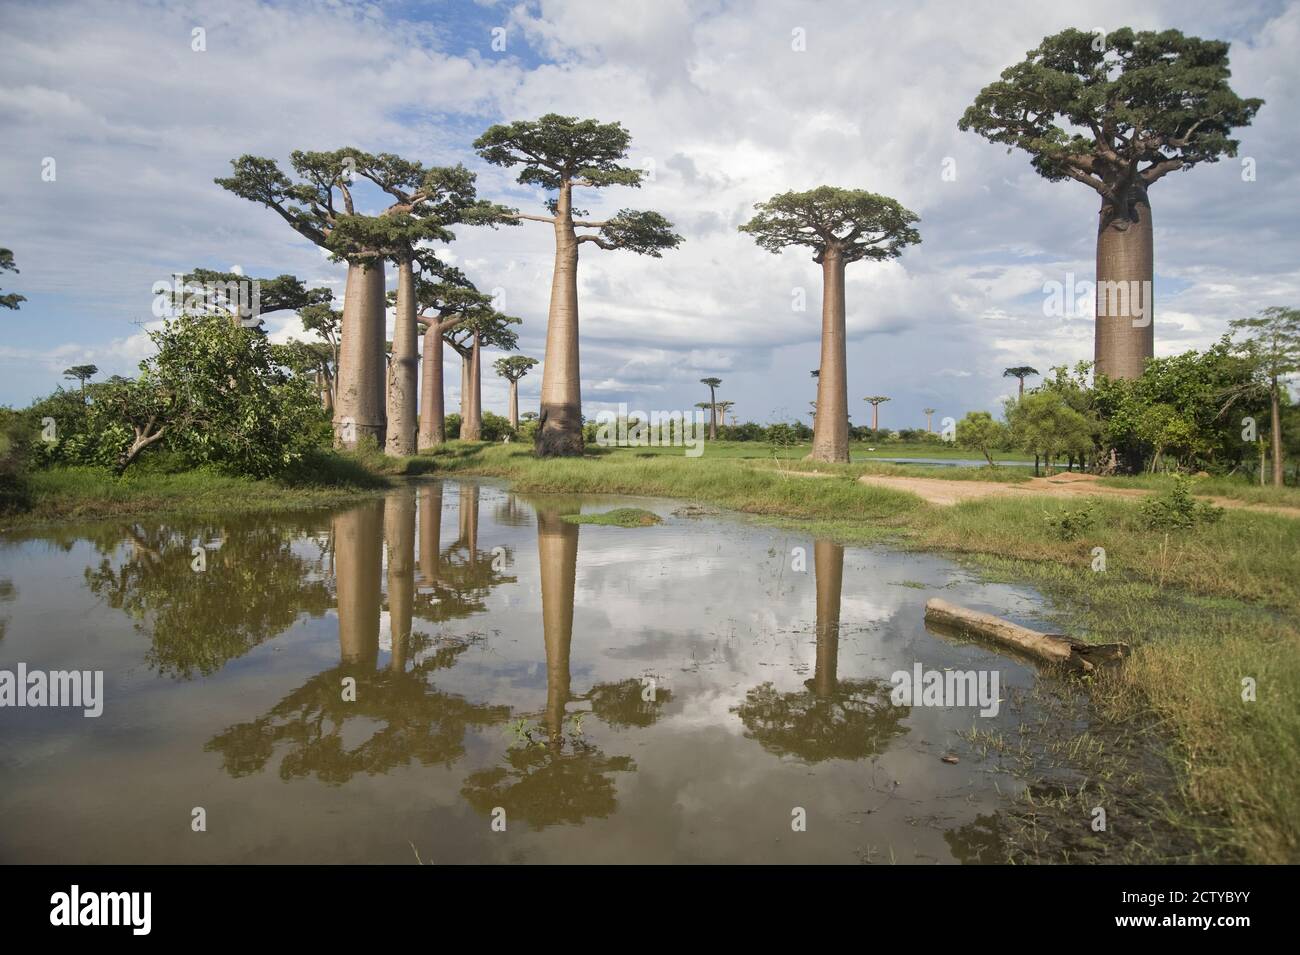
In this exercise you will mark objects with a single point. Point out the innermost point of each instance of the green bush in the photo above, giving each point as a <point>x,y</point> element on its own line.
<point>1069,524</point>
<point>1176,509</point>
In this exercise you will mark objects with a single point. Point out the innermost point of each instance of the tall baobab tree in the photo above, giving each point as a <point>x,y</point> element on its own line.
<point>512,368</point>
<point>313,210</point>
<point>723,408</point>
<point>83,373</point>
<point>9,299</point>
<point>427,202</point>
<point>712,384</point>
<point>444,305</point>
<point>1117,113</point>
<point>483,328</point>
<point>559,153</point>
<point>840,226</point>
<point>1022,372</point>
<point>876,401</point>
<point>929,420</point>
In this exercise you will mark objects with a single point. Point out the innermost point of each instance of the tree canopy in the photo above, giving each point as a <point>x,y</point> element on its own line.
<point>853,223</point>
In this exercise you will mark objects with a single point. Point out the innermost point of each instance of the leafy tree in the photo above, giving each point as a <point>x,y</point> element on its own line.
<point>558,153</point>
<point>1043,423</point>
<point>83,374</point>
<point>512,368</point>
<point>712,384</point>
<point>208,291</point>
<point>1117,113</point>
<point>875,401</point>
<point>1272,350</point>
<point>10,299</point>
<point>482,328</point>
<point>840,226</point>
<point>1020,372</point>
<point>979,432</point>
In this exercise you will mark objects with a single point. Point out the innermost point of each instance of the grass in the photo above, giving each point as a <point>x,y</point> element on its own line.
<point>619,517</point>
<point>1202,609</point>
<point>1236,488</point>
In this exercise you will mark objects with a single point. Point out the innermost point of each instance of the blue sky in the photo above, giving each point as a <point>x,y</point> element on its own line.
<point>718,104</point>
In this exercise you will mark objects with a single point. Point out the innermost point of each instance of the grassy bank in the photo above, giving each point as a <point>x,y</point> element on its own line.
<point>1202,609</point>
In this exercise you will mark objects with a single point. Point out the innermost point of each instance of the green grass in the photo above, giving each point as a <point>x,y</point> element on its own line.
<point>1236,488</point>
<point>1201,608</point>
<point>619,517</point>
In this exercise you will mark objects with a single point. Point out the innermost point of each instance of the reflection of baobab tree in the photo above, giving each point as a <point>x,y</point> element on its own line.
<point>455,581</point>
<point>250,588</point>
<point>562,778</point>
<point>418,722</point>
<point>831,718</point>
<point>7,593</point>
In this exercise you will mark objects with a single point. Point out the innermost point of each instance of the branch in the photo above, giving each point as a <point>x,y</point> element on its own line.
<point>524,215</point>
<point>599,240</point>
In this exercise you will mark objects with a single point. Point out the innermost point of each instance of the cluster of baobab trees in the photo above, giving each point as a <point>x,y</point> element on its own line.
<point>1116,112</point>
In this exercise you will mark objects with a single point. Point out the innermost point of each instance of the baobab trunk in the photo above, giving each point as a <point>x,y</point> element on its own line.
<point>403,369</point>
<point>430,532</point>
<point>399,532</point>
<point>514,403</point>
<point>359,405</point>
<point>358,562</point>
<point>557,552</point>
<point>559,429</point>
<point>433,430</point>
<point>828,566</point>
<point>471,421</point>
<point>1125,326</point>
<point>875,417</point>
<point>831,425</point>
<point>1276,435</point>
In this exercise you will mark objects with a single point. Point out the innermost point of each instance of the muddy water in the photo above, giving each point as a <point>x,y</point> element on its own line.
<point>455,673</point>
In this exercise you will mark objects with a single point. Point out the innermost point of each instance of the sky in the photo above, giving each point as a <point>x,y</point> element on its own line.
<point>724,109</point>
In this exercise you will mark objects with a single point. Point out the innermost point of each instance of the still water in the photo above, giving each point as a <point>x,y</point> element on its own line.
<point>453,672</point>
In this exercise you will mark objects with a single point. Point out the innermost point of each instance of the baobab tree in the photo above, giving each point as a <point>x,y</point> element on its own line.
<point>83,373</point>
<point>9,299</point>
<point>876,401</point>
<point>311,209</point>
<point>486,328</point>
<point>840,226</point>
<point>512,368</point>
<point>1021,372</point>
<point>1117,113</point>
<point>929,419</point>
<point>427,202</point>
<point>444,305</point>
<point>559,153</point>
<point>712,384</point>
<point>723,408</point>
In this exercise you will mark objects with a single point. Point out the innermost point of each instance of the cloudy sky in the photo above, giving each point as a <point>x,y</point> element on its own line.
<point>722,109</point>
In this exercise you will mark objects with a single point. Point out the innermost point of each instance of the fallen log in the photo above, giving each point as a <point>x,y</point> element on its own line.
<point>1052,648</point>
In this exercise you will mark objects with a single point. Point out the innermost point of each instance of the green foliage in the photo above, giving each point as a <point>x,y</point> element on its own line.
<point>15,489</point>
<point>555,148</point>
<point>1095,108</point>
<point>1176,509</point>
<point>1044,423</point>
<point>781,437</point>
<point>11,299</point>
<point>854,223</point>
<point>514,367</point>
<point>1069,523</point>
<point>979,432</point>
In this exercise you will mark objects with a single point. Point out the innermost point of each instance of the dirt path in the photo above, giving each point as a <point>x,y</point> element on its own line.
<point>945,492</point>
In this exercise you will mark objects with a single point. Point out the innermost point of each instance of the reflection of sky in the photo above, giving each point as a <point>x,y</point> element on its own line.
<point>709,608</point>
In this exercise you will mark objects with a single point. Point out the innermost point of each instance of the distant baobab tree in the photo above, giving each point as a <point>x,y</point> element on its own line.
<point>929,418</point>
<point>1116,113</point>
<point>1022,372</point>
<point>712,384</point>
<point>876,402</point>
<point>840,226</point>
<point>558,153</point>
<point>723,408</point>
<point>512,368</point>
<point>83,373</point>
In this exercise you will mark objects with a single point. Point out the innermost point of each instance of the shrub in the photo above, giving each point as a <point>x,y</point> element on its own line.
<point>1176,509</point>
<point>1069,524</point>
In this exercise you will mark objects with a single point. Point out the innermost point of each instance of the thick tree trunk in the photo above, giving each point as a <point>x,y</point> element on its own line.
<point>557,553</point>
<point>1276,434</point>
<point>358,563</point>
<point>433,412</point>
<point>471,422</point>
<point>359,404</point>
<point>430,532</point>
<point>464,393</point>
<point>831,425</point>
<point>514,403</point>
<point>1125,325</point>
<point>560,425</point>
<point>403,369</point>
<point>828,565</point>
<point>875,416</point>
<point>399,532</point>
